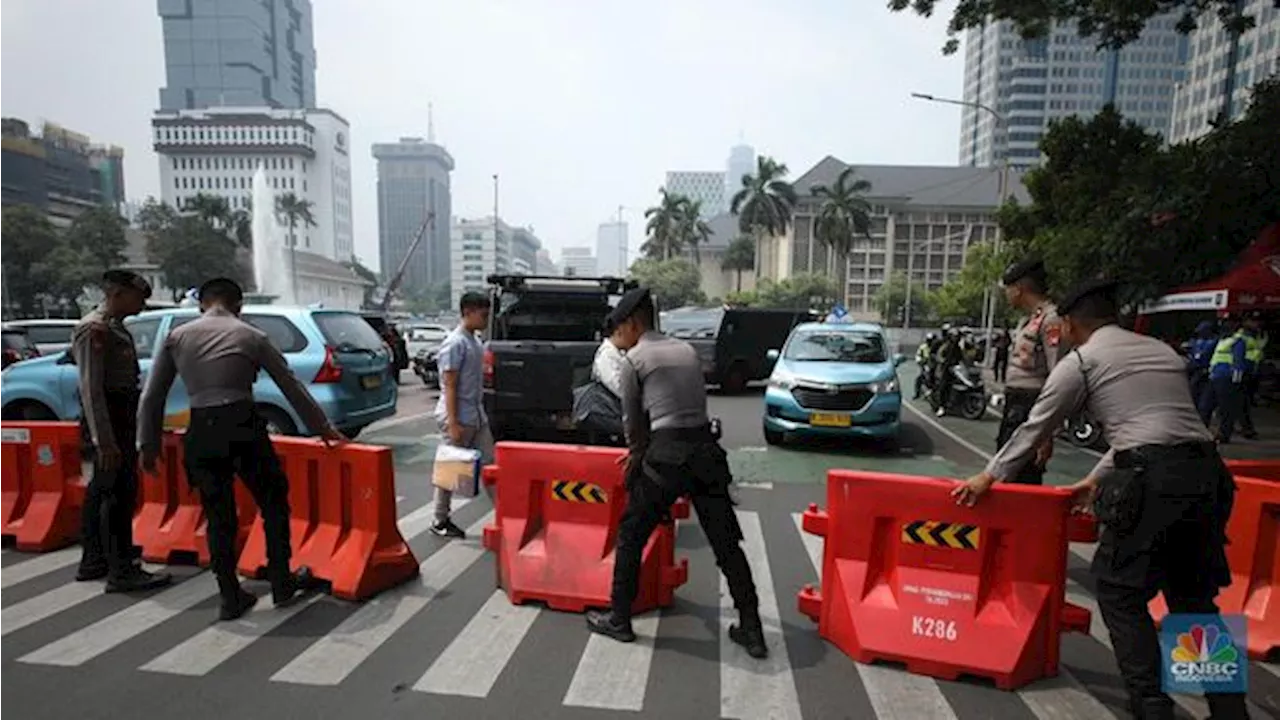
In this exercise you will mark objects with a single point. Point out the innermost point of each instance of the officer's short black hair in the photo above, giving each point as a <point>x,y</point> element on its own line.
<point>637,303</point>
<point>126,279</point>
<point>1030,271</point>
<point>473,301</point>
<point>221,289</point>
<point>1092,302</point>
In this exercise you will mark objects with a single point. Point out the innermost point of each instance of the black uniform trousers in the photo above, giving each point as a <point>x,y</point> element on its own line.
<point>224,442</point>
<point>1164,512</point>
<point>677,463</point>
<point>106,520</point>
<point>1017,408</point>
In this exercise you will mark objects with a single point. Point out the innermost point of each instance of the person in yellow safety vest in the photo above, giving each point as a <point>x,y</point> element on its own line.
<point>1255,343</point>
<point>924,361</point>
<point>1225,393</point>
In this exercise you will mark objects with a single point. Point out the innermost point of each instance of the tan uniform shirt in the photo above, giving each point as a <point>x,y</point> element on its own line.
<point>1136,386</point>
<point>661,382</point>
<point>218,356</point>
<point>1035,349</point>
<point>107,362</point>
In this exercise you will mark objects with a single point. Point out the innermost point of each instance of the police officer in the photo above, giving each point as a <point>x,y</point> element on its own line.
<point>948,355</point>
<point>104,352</point>
<point>672,452</point>
<point>218,357</point>
<point>1199,352</point>
<point>1161,493</point>
<point>1255,344</point>
<point>1228,370</point>
<point>1035,352</point>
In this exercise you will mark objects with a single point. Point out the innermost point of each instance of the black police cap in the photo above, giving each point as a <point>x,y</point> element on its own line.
<point>1087,289</point>
<point>627,306</point>
<point>1021,269</point>
<point>129,279</point>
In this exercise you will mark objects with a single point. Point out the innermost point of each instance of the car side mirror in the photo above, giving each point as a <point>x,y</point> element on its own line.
<point>898,359</point>
<point>67,358</point>
<point>771,355</point>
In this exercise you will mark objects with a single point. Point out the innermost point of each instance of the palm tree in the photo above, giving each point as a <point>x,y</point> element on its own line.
<point>291,210</point>
<point>663,226</point>
<point>693,230</point>
<point>843,213</point>
<point>741,255</point>
<point>765,202</point>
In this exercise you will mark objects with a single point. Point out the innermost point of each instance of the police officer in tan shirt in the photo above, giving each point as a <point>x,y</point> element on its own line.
<point>107,362</point>
<point>218,357</point>
<point>1033,353</point>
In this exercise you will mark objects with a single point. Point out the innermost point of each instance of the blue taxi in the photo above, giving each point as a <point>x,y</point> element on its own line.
<point>833,379</point>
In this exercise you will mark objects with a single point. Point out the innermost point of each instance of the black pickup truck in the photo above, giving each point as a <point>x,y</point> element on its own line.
<point>734,342</point>
<point>540,344</point>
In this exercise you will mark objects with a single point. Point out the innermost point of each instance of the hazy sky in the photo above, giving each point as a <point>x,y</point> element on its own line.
<point>579,105</point>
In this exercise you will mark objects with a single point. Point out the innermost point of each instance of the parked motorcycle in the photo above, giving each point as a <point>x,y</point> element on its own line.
<point>968,396</point>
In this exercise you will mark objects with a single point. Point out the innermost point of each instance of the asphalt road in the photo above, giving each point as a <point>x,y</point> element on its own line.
<point>448,645</point>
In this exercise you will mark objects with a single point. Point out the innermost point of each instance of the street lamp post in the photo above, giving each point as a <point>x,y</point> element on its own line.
<point>989,298</point>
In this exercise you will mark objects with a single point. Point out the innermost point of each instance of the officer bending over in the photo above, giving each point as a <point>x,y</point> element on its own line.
<point>1161,493</point>
<point>672,453</point>
<point>218,357</point>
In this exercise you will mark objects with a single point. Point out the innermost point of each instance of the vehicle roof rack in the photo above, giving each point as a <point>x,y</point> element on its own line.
<point>610,285</point>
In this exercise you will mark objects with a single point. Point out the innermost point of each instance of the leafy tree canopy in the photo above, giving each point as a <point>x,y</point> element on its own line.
<point>190,248</point>
<point>365,274</point>
<point>891,300</point>
<point>44,273</point>
<point>961,299</point>
<point>799,292</point>
<point>675,283</point>
<point>99,234</point>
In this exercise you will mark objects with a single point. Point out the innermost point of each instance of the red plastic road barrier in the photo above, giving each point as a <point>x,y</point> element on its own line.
<point>556,524</point>
<point>170,524</point>
<point>1254,558</point>
<point>43,487</point>
<point>910,577</point>
<point>343,518</point>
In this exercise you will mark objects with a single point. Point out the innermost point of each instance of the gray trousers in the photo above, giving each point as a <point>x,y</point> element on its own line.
<point>476,438</point>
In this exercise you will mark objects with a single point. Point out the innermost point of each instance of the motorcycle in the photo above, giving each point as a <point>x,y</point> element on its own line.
<point>968,396</point>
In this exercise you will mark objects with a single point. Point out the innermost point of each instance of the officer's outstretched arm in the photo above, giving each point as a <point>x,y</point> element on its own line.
<point>151,407</point>
<point>1063,392</point>
<point>270,359</point>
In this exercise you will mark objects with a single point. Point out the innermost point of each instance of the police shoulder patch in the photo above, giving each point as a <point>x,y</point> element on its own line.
<point>1052,332</point>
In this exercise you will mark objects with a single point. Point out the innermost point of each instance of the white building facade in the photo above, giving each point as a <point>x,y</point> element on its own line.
<point>304,152</point>
<point>578,262</point>
<point>707,187</point>
<point>742,161</point>
<point>479,249</point>
<point>612,256</point>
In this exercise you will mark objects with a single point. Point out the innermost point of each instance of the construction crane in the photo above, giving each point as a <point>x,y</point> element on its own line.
<point>398,278</point>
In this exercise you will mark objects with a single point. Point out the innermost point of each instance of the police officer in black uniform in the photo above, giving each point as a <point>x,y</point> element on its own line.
<point>672,452</point>
<point>1161,493</point>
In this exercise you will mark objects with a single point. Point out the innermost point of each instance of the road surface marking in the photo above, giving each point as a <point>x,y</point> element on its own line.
<point>333,657</point>
<point>395,422</point>
<point>946,431</point>
<point>474,660</point>
<point>90,642</point>
<point>751,688</point>
<point>613,675</point>
<point>38,565</point>
<point>46,605</point>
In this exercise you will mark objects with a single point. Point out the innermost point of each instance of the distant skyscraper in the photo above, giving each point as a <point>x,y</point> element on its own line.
<point>1031,82</point>
<point>578,262</point>
<point>238,53</point>
<point>742,161</point>
<point>707,187</point>
<point>611,249</point>
<point>413,179</point>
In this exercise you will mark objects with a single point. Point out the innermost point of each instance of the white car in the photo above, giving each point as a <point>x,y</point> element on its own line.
<point>49,336</point>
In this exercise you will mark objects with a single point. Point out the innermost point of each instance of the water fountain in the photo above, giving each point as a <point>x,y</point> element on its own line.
<point>271,262</point>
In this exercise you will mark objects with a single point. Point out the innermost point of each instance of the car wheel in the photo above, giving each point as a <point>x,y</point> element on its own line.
<point>774,437</point>
<point>27,410</point>
<point>278,422</point>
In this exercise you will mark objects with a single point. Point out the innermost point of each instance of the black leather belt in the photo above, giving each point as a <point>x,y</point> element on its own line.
<point>704,433</point>
<point>1180,452</point>
<point>1021,394</point>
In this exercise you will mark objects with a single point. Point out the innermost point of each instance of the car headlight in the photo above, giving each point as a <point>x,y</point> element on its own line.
<point>884,386</point>
<point>782,379</point>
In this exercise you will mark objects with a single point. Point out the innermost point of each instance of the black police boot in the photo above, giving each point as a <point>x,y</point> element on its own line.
<point>135,579</point>
<point>287,589</point>
<point>604,623</point>
<point>1227,706</point>
<point>91,570</point>
<point>1157,709</point>
<point>749,633</point>
<point>236,601</point>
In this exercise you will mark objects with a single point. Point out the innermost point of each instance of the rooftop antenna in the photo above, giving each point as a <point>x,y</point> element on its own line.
<point>431,124</point>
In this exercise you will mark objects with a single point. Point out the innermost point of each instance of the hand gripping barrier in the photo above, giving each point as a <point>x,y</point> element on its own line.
<point>556,525</point>
<point>910,577</point>
<point>342,518</point>
<point>170,525</point>
<point>43,487</point>
<point>1253,556</point>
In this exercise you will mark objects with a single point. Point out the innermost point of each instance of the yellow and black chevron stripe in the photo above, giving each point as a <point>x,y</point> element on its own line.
<point>941,534</point>
<point>577,491</point>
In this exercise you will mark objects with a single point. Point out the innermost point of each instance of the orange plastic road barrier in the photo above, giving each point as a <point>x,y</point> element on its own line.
<point>43,487</point>
<point>343,518</point>
<point>910,577</point>
<point>1253,555</point>
<point>556,524</point>
<point>170,524</point>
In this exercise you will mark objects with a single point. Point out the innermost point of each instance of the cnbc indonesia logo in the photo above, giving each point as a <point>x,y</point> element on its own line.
<point>1203,655</point>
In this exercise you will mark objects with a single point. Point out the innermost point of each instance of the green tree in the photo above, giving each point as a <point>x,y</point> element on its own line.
<point>843,214</point>
<point>368,302</point>
<point>188,248</point>
<point>764,204</point>
<point>961,298</point>
<point>662,226</point>
<point>99,233</point>
<point>798,292</point>
<point>891,300</point>
<point>43,273</point>
<point>675,282</point>
<point>292,211</point>
<point>692,230</point>
<point>739,256</point>
<point>1113,24</point>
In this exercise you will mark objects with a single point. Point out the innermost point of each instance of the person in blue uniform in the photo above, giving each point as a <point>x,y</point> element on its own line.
<point>1228,370</point>
<point>1199,351</point>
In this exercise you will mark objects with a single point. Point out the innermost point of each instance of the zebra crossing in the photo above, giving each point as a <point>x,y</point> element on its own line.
<point>450,640</point>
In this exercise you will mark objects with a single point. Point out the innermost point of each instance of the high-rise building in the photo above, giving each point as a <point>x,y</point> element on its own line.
<point>611,249</point>
<point>413,180</point>
<point>707,187</point>
<point>578,262</point>
<point>546,266</point>
<point>241,53</point>
<point>482,248</point>
<point>742,161</point>
<point>59,171</point>
<point>1212,67</point>
<point>216,151</point>
<point>1031,82</point>
<point>524,251</point>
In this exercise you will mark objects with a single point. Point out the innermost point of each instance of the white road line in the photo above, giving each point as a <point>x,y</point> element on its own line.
<point>893,692</point>
<point>1269,667</point>
<point>949,433</point>
<point>333,657</point>
<point>46,605</point>
<point>750,688</point>
<point>90,642</point>
<point>38,565</point>
<point>613,675</point>
<point>474,660</point>
<point>394,422</point>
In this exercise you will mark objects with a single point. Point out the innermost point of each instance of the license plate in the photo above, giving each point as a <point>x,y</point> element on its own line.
<point>370,382</point>
<point>829,420</point>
